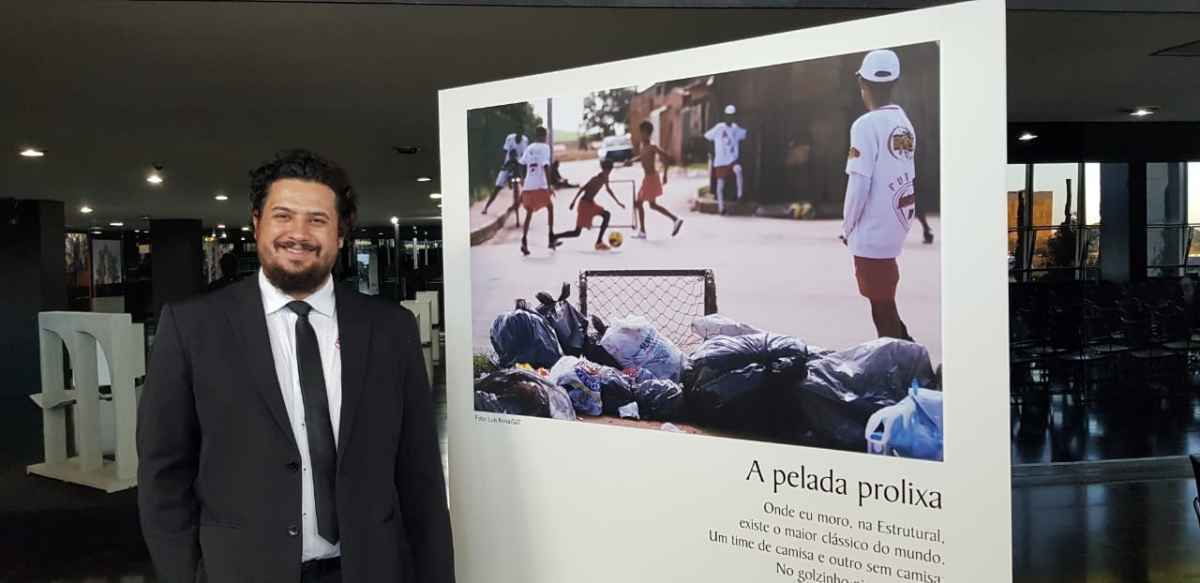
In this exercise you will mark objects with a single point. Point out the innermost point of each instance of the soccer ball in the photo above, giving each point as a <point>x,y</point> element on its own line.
<point>615,239</point>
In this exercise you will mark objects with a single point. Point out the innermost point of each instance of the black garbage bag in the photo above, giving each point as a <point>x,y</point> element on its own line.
<point>490,403</point>
<point>734,382</point>
<point>569,323</point>
<point>616,390</point>
<point>592,349</point>
<point>843,389</point>
<point>745,399</point>
<point>520,392</point>
<point>730,352</point>
<point>659,400</point>
<point>524,337</point>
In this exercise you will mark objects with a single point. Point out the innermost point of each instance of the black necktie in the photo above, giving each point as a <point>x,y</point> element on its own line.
<point>321,449</point>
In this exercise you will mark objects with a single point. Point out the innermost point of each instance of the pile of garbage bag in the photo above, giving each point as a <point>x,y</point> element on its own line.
<point>881,395</point>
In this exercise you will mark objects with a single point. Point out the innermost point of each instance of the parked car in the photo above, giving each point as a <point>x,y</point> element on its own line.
<point>616,148</point>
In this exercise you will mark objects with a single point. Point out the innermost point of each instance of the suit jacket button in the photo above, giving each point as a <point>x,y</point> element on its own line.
<point>293,530</point>
<point>293,465</point>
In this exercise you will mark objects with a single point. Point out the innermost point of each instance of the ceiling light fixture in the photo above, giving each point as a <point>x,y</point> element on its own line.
<point>1027,136</point>
<point>395,220</point>
<point>155,177</point>
<point>116,224</point>
<point>436,196</point>
<point>33,153</point>
<point>85,209</point>
<point>424,179</point>
<point>246,229</point>
<point>1143,111</point>
<point>221,197</point>
<point>220,226</point>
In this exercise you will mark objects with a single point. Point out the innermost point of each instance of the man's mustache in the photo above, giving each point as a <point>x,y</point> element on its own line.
<point>301,245</point>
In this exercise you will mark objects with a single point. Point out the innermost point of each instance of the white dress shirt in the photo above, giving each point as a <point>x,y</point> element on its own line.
<point>281,327</point>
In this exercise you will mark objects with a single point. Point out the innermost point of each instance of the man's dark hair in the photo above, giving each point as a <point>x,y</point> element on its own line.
<point>881,93</point>
<point>646,128</point>
<point>305,165</point>
<point>540,133</point>
<point>606,165</point>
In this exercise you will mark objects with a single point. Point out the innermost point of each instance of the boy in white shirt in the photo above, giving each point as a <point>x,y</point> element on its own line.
<point>880,191</point>
<point>726,137</point>
<point>537,194</point>
<point>510,168</point>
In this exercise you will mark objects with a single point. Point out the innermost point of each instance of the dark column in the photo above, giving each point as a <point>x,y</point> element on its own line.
<point>1123,222</point>
<point>33,263</point>
<point>176,261</point>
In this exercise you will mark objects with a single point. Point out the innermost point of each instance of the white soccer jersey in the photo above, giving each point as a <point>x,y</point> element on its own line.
<point>514,148</point>
<point>535,159</point>
<point>726,139</point>
<point>882,147</point>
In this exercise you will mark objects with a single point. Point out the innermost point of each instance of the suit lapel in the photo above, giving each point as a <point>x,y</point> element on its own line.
<point>354,337</point>
<point>249,321</point>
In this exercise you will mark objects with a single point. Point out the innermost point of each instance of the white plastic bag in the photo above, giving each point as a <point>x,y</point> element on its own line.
<point>911,428</point>
<point>581,379</point>
<point>635,343</point>
<point>714,325</point>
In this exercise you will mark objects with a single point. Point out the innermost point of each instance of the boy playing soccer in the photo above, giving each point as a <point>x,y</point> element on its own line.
<point>652,187</point>
<point>537,194</point>
<point>589,209</point>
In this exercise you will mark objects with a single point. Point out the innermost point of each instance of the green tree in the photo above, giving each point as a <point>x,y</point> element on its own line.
<point>605,110</point>
<point>486,130</point>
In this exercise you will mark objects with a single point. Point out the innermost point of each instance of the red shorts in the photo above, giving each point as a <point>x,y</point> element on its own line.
<point>877,278</point>
<point>723,171</point>
<point>588,210</point>
<point>535,200</point>
<point>651,188</point>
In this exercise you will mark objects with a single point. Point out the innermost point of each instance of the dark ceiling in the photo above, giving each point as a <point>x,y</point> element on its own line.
<point>209,90</point>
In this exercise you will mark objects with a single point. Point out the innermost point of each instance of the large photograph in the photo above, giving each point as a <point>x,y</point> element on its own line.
<point>750,254</point>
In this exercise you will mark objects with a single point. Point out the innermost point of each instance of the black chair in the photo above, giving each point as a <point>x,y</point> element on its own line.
<point>1196,472</point>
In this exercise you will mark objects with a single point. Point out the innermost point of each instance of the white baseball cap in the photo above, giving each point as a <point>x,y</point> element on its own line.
<point>730,109</point>
<point>882,66</point>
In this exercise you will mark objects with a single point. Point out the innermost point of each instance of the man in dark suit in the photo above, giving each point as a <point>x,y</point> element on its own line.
<point>286,430</point>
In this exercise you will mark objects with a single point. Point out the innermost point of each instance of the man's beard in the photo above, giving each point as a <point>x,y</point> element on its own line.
<point>292,283</point>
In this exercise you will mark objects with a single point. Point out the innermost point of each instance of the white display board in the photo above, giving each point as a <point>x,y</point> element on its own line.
<point>771,479</point>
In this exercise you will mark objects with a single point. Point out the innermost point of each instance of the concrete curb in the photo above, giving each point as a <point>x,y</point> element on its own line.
<point>485,233</point>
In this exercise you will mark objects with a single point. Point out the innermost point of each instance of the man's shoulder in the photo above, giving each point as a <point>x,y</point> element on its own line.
<point>376,307</point>
<point>205,304</point>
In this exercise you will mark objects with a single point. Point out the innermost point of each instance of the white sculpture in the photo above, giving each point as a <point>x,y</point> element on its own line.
<point>423,310</point>
<point>89,338</point>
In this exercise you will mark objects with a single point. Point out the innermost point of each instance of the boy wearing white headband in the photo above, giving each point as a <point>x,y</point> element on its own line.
<point>726,137</point>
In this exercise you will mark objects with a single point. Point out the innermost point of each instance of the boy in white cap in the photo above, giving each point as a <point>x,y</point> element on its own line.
<point>880,191</point>
<point>726,137</point>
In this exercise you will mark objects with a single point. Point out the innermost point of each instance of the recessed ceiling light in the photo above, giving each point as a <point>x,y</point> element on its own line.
<point>247,229</point>
<point>85,209</point>
<point>33,153</point>
<point>395,220</point>
<point>436,196</point>
<point>116,224</point>
<point>220,226</point>
<point>221,197</point>
<point>155,177</point>
<point>439,205</point>
<point>1027,136</point>
<point>96,232</point>
<point>1143,111</point>
<point>424,179</point>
